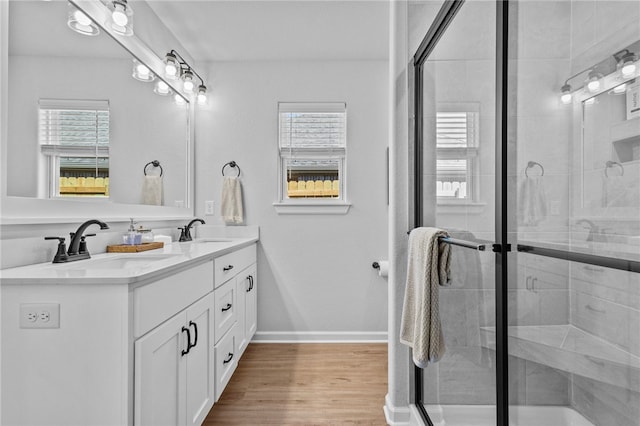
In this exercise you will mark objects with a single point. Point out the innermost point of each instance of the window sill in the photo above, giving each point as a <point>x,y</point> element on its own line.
<point>466,208</point>
<point>311,208</point>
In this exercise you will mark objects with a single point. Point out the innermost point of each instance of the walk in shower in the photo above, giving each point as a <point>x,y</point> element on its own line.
<point>527,144</point>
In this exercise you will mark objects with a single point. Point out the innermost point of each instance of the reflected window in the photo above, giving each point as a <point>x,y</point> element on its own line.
<point>312,145</point>
<point>457,151</point>
<point>74,141</point>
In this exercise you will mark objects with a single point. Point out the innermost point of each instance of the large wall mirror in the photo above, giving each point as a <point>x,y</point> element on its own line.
<point>56,76</point>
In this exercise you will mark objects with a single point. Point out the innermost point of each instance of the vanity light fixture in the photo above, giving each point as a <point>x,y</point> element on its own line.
<point>162,88</point>
<point>202,94</point>
<point>626,63</point>
<point>177,67</point>
<point>620,89</point>
<point>121,17</point>
<point>566,96</point>
<point>141,72</point>
<point>179,99</point>
<point>81,23</point>
<point>594,81</point>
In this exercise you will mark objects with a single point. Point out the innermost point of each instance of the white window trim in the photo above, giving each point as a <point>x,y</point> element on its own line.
<point>285,205</point>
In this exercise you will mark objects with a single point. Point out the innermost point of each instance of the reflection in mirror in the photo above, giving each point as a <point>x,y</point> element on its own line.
<point>80,125</point>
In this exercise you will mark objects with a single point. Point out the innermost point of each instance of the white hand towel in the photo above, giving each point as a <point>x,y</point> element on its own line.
<point>533,201</point>
<point>152,190</point>
<point>428,268</point>
<point>231,207</point>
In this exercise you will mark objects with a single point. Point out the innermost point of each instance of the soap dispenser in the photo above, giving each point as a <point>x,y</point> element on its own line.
<point>132,237</point>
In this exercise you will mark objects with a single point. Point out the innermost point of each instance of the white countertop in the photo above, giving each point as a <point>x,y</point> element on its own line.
<point>125,268</point>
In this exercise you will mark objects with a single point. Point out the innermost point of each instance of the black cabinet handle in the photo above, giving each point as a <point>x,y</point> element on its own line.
<point>195,331</point>
<point>188,341</point>
<point>228,360</point>
<point>227,268</point>
<point>250,283</point>
<point>251,279</point>
<point>227,307</point>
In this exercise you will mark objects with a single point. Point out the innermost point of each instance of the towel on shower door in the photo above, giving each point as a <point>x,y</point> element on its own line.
<point>152,190</point>
<point>231,207</point>
<point>533,201</point>
<point>428,268</point>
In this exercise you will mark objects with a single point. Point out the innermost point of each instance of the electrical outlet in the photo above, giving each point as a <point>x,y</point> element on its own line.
<point>39,315</point>
<point>208,208</point>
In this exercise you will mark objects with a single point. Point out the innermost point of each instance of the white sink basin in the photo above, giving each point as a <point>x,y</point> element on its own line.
<point>213,240</point>
<point>134,261</point>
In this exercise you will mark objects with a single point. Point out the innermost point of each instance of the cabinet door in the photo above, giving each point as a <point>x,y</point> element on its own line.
<point>251,303</point>
<point>160,374</point>
<point>200,361</point>
<point>242,286</point>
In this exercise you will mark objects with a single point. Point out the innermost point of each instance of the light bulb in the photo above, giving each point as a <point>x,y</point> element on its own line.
<point>566,94</point>
<point>628,69</point>
<point>188,86</point>
<point>171,70</point>
<point>119,15</point>
<point>594,81</point>
<point>202,95</point>
<point>619,89</point>
<point>162,88</point>
<point>179,99</point>
<point>142,70</point>
<point>81,18</point>
<point>187,81</point>
<point>593,85</point>
<point>590,101</point>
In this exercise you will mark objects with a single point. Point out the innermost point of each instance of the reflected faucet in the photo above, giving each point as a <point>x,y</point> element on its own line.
<point>594,231</point>
<point>185,235</point>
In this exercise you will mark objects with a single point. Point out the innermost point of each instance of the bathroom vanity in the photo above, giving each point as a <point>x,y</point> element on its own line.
<point>127,339</point>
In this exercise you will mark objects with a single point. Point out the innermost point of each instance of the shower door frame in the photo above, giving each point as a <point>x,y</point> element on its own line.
<point>501,246</point>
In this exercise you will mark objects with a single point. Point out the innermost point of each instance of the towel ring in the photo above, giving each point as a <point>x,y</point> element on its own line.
<point>154,163</point>
<point>531,164</point>
<point>611,164</point>
<point>232,164</point>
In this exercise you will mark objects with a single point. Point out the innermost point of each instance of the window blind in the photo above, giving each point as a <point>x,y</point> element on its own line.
<point>312,126</point>
<point>456,129</point>
<point>78,129</point>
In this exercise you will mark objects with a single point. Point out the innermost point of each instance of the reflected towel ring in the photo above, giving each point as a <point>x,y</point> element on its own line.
<point>154,163</point>
<point>531,164</point>
<point>232,164</point>
<point>611,164</point>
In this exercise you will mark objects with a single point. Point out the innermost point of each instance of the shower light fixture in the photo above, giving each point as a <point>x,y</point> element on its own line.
<point>202,94</point>
<point>121,18</point>
<point>142,72</point>
<point>594,81</point>
<point>81,23</point>
<point>161,88</point>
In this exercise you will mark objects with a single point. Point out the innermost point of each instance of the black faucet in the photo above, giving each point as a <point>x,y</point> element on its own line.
<point>185,235</point>
<point>77,245</point>
<point>594,231</point>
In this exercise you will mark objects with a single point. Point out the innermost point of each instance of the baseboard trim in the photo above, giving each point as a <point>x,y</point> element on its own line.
<point>320,337</point>
<point>396,416</point>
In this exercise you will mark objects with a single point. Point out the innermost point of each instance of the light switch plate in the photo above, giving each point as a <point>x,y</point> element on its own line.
<point>39,315</point>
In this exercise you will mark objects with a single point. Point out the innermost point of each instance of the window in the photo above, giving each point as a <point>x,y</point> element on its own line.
<point>74,138</point>
<point>457,152</point>
<point>312,151</point>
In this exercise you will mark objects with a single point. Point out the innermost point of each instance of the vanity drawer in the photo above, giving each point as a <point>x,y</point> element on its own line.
<point>226,360</point>
<point>230,264</point>
<point>154,303</point>
<point>225,309</point>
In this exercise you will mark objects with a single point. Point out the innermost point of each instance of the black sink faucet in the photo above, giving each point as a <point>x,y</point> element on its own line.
<point>593,228</point>
<point>185,235</point>
<point>78,236</point>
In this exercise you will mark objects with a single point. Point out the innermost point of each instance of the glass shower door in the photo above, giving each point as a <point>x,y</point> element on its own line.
<point>574,302</point>
<point>456,162</point>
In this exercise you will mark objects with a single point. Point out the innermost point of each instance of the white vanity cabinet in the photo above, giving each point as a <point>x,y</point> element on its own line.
<point>132,347</point>
<point>246,284</point>
<point>174,373</point>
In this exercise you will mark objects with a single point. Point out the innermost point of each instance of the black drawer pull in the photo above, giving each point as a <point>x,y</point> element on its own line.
<point>188,341</point>
<point>225,309</point>
<point>250,283</point>
<point>228,360</point>
<point>227,268</point>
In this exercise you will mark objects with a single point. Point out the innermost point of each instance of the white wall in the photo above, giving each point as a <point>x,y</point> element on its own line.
<point>315,271</point>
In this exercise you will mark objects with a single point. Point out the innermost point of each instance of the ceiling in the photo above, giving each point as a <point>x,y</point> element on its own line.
<point>269,30</point>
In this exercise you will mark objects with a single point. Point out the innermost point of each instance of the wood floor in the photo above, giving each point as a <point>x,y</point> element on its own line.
<point>305,384</point>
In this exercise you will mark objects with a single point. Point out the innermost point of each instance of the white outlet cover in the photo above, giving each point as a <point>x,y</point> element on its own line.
<point>42,311</point>
<point>208,207</point>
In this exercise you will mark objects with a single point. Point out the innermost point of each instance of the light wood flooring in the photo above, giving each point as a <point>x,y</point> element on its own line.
<point>305,384</point>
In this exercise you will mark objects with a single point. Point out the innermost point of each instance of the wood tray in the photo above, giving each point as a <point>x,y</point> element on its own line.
<point>122,248</point>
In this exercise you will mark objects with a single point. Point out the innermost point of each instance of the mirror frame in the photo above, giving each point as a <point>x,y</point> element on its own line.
<point>23,210</point>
